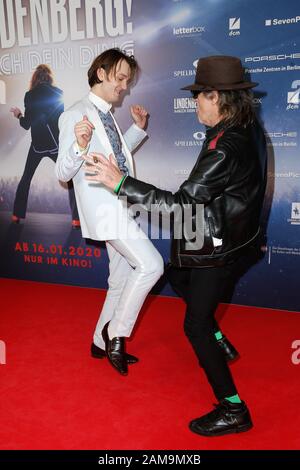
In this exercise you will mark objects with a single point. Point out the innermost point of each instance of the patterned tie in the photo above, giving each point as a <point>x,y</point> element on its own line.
<point>114,139</point>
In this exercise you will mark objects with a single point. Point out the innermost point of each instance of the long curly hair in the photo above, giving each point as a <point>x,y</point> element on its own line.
<point>42,74</point>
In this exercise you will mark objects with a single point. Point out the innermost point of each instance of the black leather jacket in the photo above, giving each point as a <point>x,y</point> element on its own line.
<point>229,181</point>
<point>43,106</point>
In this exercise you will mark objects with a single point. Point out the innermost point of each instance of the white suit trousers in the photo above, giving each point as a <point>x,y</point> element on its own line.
<point>135,266</point>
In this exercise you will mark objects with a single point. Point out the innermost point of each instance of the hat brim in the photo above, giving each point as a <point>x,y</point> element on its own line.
<point>235,86</point>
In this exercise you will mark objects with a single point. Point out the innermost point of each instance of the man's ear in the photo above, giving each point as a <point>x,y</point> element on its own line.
<point>215,96</point>
<point>101,74</point>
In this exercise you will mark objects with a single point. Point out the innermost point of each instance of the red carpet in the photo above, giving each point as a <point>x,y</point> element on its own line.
<point>55,396</point>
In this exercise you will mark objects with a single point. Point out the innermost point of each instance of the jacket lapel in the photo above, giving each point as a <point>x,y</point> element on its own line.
<point>100,132</point>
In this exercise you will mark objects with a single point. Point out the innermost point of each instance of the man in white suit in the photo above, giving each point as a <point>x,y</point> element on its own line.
<point>134,263</point>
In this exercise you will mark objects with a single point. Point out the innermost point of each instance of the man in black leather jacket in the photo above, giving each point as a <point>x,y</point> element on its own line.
<point>227,185</point>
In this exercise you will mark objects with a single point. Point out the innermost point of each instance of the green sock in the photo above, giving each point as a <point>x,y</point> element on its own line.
<point>218,335</point>
<point>234,399</point>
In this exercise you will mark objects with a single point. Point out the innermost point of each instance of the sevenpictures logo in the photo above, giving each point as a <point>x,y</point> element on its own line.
<point>234,27</point>
<point>293,96</point>
<point>286,174</point>
<point>196,141</point>
<point>282,21</point>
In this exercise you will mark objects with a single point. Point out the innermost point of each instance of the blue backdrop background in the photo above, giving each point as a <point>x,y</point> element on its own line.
<point>167,37</point>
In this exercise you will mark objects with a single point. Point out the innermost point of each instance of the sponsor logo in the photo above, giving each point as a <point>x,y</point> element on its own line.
<point>234,26</point>
<point>282,21</point>
<point>184,105</point>
<point>199,135</point>
<point>196,141</point>
<point>280,135</point>
<point>256,102</point>
<point>273,57</point>
<point>186,72</point>
<point>293,96</point>
<point>2,92</point>
<point>191,31</point>
<point>295,213</point>
<point>282,139</point>
<point>287,174</point>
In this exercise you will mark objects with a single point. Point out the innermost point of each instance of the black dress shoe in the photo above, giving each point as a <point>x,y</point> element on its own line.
<point>99,353</point>
<point>115,351</point>
<point>226,418</point>
<point>228,349</point>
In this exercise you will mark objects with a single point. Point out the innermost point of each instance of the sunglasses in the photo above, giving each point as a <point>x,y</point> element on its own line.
<point>195,93</point>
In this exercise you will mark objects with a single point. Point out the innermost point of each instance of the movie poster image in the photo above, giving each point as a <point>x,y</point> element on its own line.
<point>167,37</point>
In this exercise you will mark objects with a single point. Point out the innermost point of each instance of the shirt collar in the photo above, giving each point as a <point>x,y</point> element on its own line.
<point>100,103</point>
<point>213,131</point>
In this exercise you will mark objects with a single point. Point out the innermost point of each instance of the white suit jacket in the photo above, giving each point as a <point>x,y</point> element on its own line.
<point>102,215</point>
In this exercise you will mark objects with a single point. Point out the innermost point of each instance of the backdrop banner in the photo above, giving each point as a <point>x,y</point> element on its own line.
<point>167,37</point>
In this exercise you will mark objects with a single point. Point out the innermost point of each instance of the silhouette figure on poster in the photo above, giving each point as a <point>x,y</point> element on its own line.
<point>43,106</point>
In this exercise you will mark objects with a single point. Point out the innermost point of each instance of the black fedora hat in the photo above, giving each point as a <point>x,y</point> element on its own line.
<point>219,72</point>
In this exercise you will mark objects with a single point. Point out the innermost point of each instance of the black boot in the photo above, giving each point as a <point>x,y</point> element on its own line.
<point>228,349</point>
<point>115,351</point>
<point>99,353</point>
<point>226,418</point>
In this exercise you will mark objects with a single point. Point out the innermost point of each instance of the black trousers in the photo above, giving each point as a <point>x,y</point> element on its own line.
<point>21,198</point>
<point>202,288</point>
